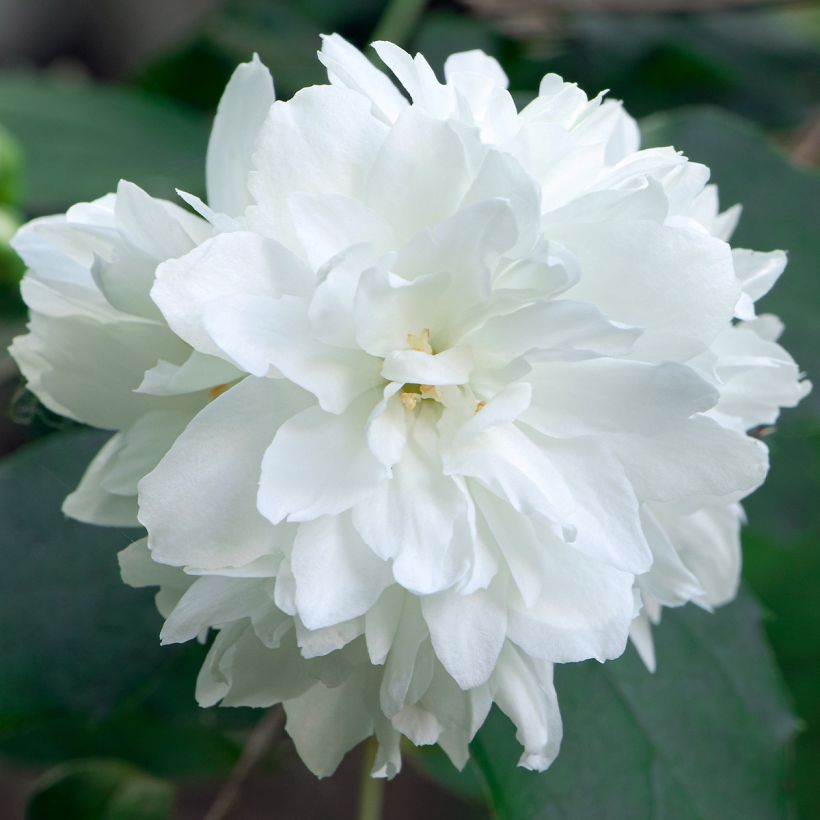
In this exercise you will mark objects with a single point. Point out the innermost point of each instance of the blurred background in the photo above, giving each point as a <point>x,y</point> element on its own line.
<point>95,90</point>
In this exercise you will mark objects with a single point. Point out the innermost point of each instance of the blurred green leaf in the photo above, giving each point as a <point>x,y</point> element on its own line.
<point>442,33</point>
<point>11,266</point>
<point>286,35</point>
<point>754,62</point>
<point>78,139</point>
<point>100,790</point>
<point>704,737</point>
<point>75,637</point>
<point>9,171</point>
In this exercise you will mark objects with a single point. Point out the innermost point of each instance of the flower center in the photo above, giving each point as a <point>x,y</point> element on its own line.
<point>412,394</point>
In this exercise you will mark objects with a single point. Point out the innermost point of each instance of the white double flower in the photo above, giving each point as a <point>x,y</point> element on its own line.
<point>431,396</point>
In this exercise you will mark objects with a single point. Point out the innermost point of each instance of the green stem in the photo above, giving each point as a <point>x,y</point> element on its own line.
<point>371,789</point>
<point>398,20</point>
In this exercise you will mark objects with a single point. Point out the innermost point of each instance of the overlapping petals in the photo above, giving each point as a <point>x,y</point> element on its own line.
<point>436,394</point>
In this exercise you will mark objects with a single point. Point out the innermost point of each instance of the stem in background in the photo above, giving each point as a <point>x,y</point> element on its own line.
<point>371,789</point>
<point>260,741</point>
<point>398,20</point>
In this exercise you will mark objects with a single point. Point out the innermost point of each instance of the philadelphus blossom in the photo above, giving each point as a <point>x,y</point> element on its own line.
<point>432,395</point>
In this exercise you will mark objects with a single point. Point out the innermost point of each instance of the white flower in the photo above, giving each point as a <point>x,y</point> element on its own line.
<point>460,392</point>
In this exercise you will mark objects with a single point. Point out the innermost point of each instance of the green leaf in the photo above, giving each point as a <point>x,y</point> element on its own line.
<point>9,169</point>
<point>100,790</point>
<point>78,139</point>
<point>74,637</point>
<point>704,737</point>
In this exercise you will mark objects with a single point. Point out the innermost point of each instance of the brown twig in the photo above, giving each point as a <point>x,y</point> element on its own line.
<point>260,741</point>
<point>626,6</point>
<point>524,19</point>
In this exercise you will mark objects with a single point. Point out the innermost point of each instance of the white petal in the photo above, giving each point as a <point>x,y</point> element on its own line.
<point>603,508</point>
<point>388,757</point>
<point>347,66</point>
<point>758,376</point>
<point>677,284</point>
<point>583,611</point>
<point>327,224</point>
<point>563,328</point>
<point>412,516</point>
<point>198,372</point>
<point>467,633</point>
<point>227,265</point>
<point>417,77</point>
<point>89,370</point>
<point>420,174</point>
<point>388,308</point>
<point>500,176</point>
<point>401,662</point>
<point>518,539</point>
<point>640,633</point>
<point>319,464</point>
<point>91,503</point>
<point>506,461</point>
<point>242,671</point>
<point>388,426</point>
<point>758,271</point>
<point>524,691</point>
<point>381,623</point>
<point>326,723</point>
<point>701,461</point>
<point>418,725</point>
<point>242,110</point>
<point>155,227</point>
<point>451,366</point>
<point>338,577</point>
<point>474,62</point>
<point>668,581</point>
<point>138,569</point>
<point>213,601</point>
<point>606,396</point>
<point>322,141</point>
<point>222,223</point>
<point>325,643</point>
<point>199,503</point>
<point>260,333</point>
<point>143,445</point>
<point>708,541</point>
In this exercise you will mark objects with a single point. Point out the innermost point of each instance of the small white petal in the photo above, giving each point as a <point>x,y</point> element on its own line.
<point>319,464</point>
<point>338,577</point>
<point>467,633</point>
<point>242,110</point>
<point>347,66</point>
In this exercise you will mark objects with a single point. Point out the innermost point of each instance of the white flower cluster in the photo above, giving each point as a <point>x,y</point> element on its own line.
<point>430,396</point>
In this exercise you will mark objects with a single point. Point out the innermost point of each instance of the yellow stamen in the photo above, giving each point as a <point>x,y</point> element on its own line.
<point>216,392</point>
<point>409,400</point>
<point>429,391</point>
<point>480,406</point>
<point>420,342</point>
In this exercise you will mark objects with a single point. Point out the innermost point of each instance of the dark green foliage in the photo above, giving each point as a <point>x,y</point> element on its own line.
<point>79,139</point>
<point>100,790</point>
